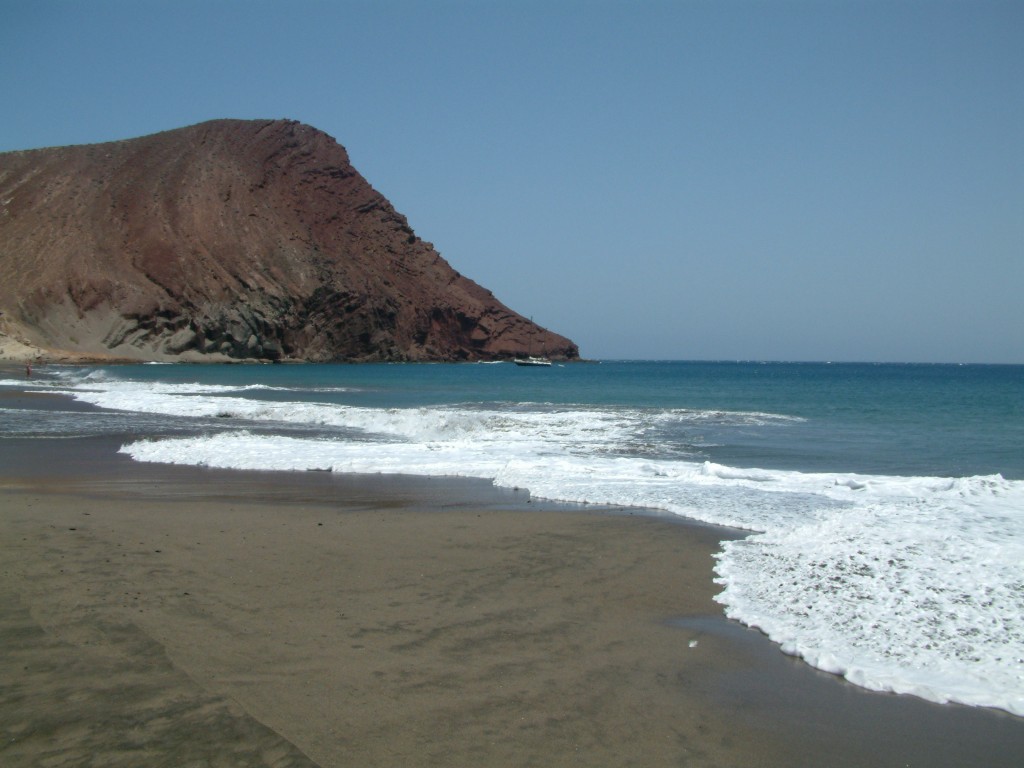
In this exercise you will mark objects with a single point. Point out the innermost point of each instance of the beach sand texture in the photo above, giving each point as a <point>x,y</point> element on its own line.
<point>177,616</point>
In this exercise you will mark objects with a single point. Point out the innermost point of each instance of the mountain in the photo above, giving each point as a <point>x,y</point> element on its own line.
<point>229,240</point>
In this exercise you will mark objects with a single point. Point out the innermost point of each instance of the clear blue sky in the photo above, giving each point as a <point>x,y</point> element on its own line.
<point>700,180</point>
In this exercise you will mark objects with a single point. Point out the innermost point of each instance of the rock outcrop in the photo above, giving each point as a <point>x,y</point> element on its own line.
<point>232,239</point>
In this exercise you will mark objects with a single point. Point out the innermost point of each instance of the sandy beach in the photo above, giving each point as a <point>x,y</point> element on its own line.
<point>170,616</point>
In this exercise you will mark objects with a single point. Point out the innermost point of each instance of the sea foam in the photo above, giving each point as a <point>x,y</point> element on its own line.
<point>904,584</point>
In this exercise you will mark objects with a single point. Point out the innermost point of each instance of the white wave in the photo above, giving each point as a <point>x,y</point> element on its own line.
<point>911,585</point>
<point>923,595</point>
<point>240,450</point>
<point>29,385</point>
<point>745,418</point>
<point>96,388</point>
<point>567,428</point>
<point>905,584</point>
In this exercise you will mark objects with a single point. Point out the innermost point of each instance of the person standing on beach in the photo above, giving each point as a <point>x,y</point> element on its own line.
<point>28,370</point>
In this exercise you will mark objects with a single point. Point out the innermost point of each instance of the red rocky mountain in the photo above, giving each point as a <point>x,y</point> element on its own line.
<point>232,239</point>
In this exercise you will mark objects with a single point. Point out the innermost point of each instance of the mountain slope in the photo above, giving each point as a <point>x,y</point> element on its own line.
<point>232,239</point>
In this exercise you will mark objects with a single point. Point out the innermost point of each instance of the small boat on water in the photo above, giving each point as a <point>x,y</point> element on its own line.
<point>531,360</point>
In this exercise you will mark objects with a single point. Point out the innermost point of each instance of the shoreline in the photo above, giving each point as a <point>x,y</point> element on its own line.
<point>156,613</point>
<point>15,353</point>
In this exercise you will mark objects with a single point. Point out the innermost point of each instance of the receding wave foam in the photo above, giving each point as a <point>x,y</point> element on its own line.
<point>538,428</point>
<point>904,584</point>
<point>919,593</point>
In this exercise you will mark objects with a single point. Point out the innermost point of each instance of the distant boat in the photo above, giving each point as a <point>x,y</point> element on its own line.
<point>530,359</point>
<point>538,361</point>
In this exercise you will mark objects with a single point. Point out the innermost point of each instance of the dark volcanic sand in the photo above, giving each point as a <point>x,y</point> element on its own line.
<point>157,615</point>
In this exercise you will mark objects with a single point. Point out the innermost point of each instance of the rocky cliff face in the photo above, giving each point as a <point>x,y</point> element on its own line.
<point>232,240</point>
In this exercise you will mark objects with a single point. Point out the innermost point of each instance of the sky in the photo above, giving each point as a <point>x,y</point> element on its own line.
<point>729,180</point>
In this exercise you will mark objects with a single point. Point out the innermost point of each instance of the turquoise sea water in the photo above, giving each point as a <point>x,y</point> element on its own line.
<point>884,503</point>
<point>894,419</point>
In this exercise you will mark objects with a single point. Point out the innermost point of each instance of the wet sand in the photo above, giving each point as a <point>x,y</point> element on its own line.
<point>155,615</point>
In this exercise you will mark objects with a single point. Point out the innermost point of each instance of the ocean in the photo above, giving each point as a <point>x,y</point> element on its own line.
<point>880,507</point>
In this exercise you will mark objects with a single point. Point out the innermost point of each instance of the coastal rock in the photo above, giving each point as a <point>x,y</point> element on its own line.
<point>227,240</point>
